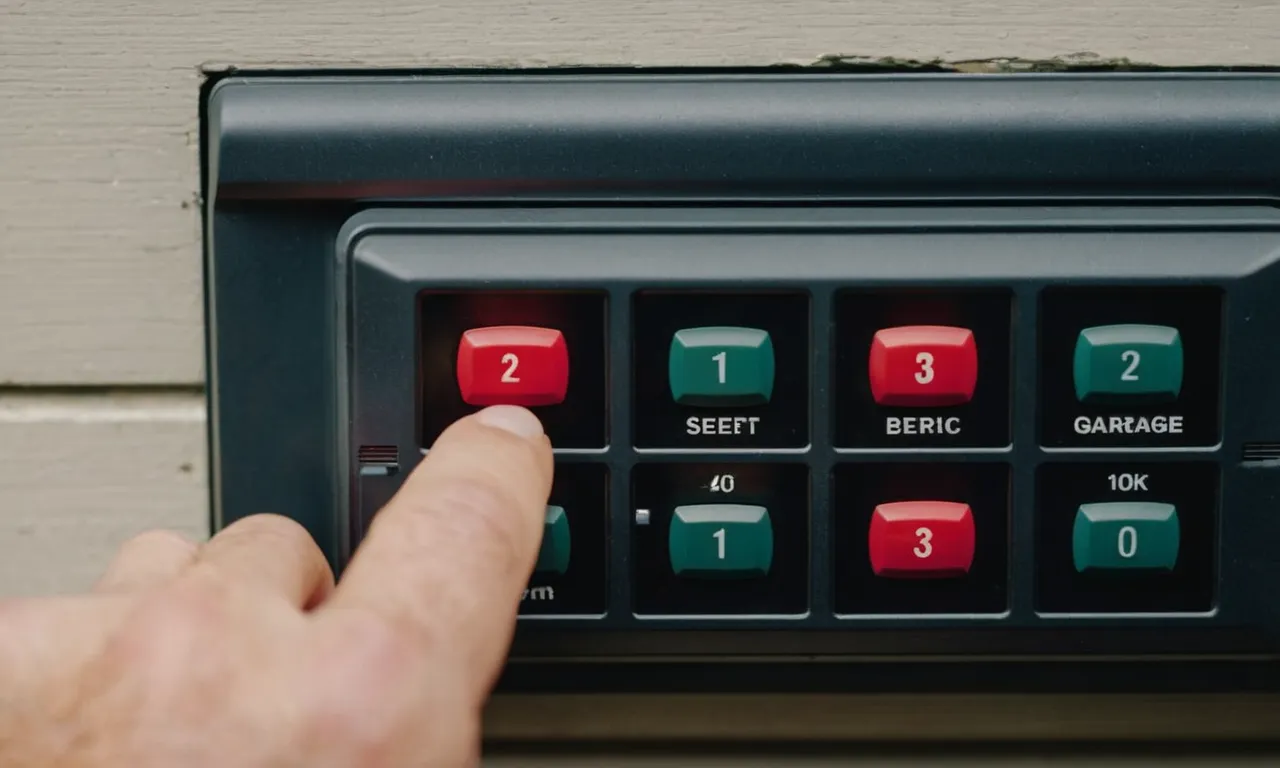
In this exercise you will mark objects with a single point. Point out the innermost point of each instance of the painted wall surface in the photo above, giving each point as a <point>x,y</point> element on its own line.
<point>101,412</point>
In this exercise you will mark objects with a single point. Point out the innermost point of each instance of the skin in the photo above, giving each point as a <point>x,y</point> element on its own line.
<point>242,651</point>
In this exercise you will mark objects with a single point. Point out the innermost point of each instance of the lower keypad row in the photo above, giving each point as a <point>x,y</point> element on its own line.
<point>904,539</point>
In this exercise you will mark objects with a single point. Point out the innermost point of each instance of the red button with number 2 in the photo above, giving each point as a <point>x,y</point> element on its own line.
<point>921,539</point>
<point>513,365</point>
<point>923,365</point>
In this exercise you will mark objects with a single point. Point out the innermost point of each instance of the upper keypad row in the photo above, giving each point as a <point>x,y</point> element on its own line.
<point>906,369</point>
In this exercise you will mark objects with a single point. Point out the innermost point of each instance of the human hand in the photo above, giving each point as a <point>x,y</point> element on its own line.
<point>242,652</point>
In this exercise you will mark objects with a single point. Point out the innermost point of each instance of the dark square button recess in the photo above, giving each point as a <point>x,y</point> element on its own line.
<point>753,506</point>
<point>579,421</point>
<point>1130,366</point>
<point>859,488</point>
<point>582,491</point>
<point>767,379</point>
<point>980,420</point>
<point>1113,557</point>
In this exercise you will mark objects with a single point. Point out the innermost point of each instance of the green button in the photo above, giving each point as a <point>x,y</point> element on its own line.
<point>1126,534</point>
<point>1122,360</point>
<point>721,366</point>
<point>553,557</point>
<point>726,540</point>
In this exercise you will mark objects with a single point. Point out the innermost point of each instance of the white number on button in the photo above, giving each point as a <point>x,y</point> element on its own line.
<point>720,361</point>
<point>925,374</point>
<point>1127,542</point>
<point>512,362</point>
<point>1132,357</point>
<point>719,537</point>
<point>925,548</point>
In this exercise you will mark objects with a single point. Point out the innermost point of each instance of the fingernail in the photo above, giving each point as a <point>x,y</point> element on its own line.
<point>512,418</point>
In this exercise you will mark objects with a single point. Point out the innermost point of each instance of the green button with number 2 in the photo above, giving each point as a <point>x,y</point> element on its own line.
<point>1128,360</point>
<point>721,366</point>
<point>721,540</point>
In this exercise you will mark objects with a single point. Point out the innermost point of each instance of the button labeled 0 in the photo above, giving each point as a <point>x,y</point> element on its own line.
<point>921,539</point>
<point>513,365</point>
<point>923,366</point>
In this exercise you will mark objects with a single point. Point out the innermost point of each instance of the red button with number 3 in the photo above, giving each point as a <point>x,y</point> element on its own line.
<point>923,365</point>
<point>513,365</point>
<point>921,539</point>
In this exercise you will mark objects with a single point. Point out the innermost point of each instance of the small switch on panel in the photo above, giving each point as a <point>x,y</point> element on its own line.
<point>923,365</point>
<point>725,540</point>
<point>1125,535</point>
<point>513,365</point>
<point>1127,360</point>
<point>921,539</point>
<point>721,366</point>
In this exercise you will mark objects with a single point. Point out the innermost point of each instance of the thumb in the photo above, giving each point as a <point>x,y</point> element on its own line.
<point>451,554</point>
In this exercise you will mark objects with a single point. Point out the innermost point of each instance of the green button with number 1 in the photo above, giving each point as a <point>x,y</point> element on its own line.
<point>721,540</point>
<point>721,366</point>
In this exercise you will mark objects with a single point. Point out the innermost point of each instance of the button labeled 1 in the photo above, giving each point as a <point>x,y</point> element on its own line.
<point>721,366</point>
<point>923,366</point>
<point>1122,360</point>
<point>1125,535</point>
<point>921,539</point>
<point>725,540</point>
<point>513,365</point>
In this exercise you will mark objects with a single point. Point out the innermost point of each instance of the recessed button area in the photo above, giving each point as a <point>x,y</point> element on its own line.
<point>553,555</point>
<point>923,366</point>
<point>721,366</point>
<point>1127,361</point>
<point>721,541</point>
<point>1126,537</point>
<point>921,539</point>
<point>542,349</point>
<point>716,369</point>
<point>1129,366</point>
<point>571,574</point>
<point>513,365</point>
<point>1125,534</point>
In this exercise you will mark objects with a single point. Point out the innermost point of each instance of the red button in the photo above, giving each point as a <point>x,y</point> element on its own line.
<point>513,365</point>
<point>921,539</point>
<point>923,365</point>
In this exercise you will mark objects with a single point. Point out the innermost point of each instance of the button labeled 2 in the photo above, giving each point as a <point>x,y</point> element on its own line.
<point>921,539</point>
<point>923,366</point>
<point>721,366</point>
<point>725,540</point>
<point>513,365</point>
<point>1125,535</point>
<point>1125,360</point>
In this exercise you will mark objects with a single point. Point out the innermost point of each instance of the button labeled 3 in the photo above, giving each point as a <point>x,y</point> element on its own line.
<point>513,365</point>
<point>923,365</point>
<point>721,366</point>
<point>1125,360</point>
<point>921,539</point>
<point>726,540</point>
<point>1125,535</point>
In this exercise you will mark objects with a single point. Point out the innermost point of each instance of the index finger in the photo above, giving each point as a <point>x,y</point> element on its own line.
<point>449,557</point>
